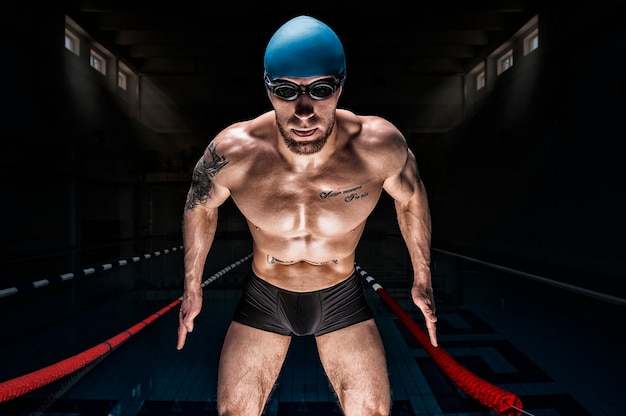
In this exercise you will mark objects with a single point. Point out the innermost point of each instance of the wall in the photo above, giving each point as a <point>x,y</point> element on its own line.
<point>535,175</point>
<point>76,162</point>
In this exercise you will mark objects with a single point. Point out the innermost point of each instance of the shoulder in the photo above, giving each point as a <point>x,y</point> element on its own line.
<point>242,139</point>
<point>376,138</point>
<point>228,156</point>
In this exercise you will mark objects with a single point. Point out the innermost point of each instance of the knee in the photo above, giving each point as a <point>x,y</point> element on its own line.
<point>373,410</point>
<point>376,408</point>
<point>233,407</point>
<point>371,405</point>
<point>380,408</point>
<point>230,404</point>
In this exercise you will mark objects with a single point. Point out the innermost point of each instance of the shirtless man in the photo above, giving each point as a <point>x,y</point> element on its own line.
<point>306,176</point>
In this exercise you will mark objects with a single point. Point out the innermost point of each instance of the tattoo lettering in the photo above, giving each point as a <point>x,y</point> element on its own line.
<point>354,196</point>
<point>329,194</point>
<point>349,194</point>
<point>201,180</point>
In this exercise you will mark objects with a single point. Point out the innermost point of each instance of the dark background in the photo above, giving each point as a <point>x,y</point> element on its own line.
<point>527,172</point>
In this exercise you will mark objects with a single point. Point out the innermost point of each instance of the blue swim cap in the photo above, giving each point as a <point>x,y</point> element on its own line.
<point>304,47</point>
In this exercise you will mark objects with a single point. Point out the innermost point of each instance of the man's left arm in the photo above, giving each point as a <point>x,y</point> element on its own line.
<point>411,204</point>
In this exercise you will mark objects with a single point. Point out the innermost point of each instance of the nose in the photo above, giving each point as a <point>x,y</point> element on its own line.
<point>304,107</point>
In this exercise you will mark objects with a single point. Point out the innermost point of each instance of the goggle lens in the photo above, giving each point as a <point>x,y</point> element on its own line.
<point>289,91</point>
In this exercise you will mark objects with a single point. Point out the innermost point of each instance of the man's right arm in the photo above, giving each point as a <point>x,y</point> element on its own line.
<point>199,226</point>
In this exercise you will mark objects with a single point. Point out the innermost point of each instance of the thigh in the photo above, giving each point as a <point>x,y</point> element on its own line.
<point>355,363</point>
<point>250,362</point>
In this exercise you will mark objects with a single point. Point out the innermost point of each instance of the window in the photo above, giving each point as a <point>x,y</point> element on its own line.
<point>531,42</point>
<point>121,80</point>
<point>72,43</point>
<point>505,61</point>
<point>480,80</point>
<point>97,62</point>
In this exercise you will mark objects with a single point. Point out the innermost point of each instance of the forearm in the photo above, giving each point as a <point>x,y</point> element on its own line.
<point>415,226</point>
<point>199,226</point>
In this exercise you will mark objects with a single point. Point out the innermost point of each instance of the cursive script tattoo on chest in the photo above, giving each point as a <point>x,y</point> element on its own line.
<point>201,180</point>
<point>348,194</point>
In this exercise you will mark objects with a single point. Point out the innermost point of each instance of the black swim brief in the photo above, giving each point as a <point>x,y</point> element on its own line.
<point>270,308</point>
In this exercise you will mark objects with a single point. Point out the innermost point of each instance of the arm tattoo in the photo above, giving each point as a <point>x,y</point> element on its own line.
<point>201,180</point>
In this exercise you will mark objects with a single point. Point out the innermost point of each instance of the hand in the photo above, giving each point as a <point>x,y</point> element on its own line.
<point>189,310</point>
<point>424,299</point>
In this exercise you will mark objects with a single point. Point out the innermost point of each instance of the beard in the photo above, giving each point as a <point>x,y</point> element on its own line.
<point>308,147</point>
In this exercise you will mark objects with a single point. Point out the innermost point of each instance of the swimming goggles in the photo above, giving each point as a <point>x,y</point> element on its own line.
<point>290,91</point>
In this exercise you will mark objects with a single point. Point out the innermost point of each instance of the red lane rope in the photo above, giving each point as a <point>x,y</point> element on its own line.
<point>501,401</point>
<point>26,383</point>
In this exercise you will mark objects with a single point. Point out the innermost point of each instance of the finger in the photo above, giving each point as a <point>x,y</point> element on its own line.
<point>430,316</point>
<point>184,327</point>
<point>186,319</point>
<point>428,312</point>
<point>432,332</point>
<point>182,336</point>
<point>188,322</point>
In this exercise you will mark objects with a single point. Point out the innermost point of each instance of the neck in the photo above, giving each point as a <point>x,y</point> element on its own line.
<point>311,162</point>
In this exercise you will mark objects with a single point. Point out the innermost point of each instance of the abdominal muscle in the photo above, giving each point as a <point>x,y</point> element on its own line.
<point>304,263</point>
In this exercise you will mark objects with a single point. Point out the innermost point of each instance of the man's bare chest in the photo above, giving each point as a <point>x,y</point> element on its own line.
<point>323,204</point>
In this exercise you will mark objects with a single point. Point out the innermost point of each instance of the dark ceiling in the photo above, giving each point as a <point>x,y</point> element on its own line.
<point>205,55</point>
<point>184,37</point>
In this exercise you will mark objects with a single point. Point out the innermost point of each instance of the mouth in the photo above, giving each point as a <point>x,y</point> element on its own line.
<point>304,133</point>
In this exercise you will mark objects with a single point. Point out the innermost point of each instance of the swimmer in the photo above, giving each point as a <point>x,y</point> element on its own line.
<point>305,175</point>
